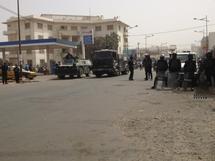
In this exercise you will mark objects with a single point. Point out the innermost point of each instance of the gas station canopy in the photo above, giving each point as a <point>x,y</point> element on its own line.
<point>37,44</point>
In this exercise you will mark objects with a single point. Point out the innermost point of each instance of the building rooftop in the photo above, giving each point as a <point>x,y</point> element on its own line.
<point>56,18</point>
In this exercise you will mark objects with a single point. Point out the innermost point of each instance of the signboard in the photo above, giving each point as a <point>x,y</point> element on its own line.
<point>88,39</point>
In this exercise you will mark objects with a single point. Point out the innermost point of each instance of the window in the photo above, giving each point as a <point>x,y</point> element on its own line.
<point>98,28</point>
<point>27,25</point>
<point>42,62</point>
<point>119,28</point>
<point>63,27</point>
<point>65,38</point>
<point>8,26</point>
<point>40,36</point>
<point>29,62</point>
<point>74,28</point>
<point>75,38</point>
<point>84,27</point>
<point>109,27</point>
<point>50,27</point>
<point>39,25</point>
<point>28,37</point>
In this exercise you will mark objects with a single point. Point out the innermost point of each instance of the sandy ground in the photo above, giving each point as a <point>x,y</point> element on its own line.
<point>171,126</point>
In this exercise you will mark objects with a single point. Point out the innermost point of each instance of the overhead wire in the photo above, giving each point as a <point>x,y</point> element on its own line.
<point>172,31</point>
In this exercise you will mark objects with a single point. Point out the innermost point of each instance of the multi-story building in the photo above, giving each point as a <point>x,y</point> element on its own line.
<point>67,27</point>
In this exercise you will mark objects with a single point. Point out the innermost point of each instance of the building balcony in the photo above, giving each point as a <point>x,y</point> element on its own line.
<point>9,32</point>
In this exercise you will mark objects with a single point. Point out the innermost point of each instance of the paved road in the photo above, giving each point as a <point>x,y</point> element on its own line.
<point>107,119</point>
<point>65,119</point>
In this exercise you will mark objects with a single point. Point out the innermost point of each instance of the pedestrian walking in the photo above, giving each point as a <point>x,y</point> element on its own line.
<point>131,68</point>
<point>161,68</point>
<point>4,73</point>
<point>147,63</point>
<point>17,73</point>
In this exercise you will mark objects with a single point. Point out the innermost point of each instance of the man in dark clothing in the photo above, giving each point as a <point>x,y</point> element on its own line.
<point>147,63</point>
<point>161,69</point>
<point>4,73</point>
<point>16,73</point>
<point>174,69</point>
<point>131,68</point>
<point>189,70</point>
<point>174,64</point>
<point>208,66</point>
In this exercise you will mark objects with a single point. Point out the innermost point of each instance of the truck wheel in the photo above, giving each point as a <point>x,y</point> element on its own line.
<point>80,73</point>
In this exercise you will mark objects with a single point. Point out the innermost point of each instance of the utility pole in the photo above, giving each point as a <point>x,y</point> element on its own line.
<point>138,49</point>
<point>206,26</point>
<point>19,36</point>
<point>146,37</point>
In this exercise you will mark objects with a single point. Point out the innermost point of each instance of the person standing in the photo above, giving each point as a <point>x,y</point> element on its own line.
<point>161,69</point>
<point>131,68</point>
<point>4,73</point>
<point>174,69</point>
<point>17,73</point>
<point>147,62</point>
<point>189,70</point>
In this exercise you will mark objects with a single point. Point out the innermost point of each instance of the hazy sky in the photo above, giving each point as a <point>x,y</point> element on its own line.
<point>151,16</point>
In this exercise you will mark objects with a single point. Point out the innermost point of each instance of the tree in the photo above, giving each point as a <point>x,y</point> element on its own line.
<point>108,42</point>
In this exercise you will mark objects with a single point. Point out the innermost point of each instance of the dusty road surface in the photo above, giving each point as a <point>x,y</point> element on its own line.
<point>107,119</point>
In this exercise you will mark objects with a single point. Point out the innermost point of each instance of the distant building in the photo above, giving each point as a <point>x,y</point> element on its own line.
<point>211,40</point>
<point>67,27</point>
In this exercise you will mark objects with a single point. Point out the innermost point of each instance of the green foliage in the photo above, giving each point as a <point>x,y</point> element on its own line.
<point>108,42</point>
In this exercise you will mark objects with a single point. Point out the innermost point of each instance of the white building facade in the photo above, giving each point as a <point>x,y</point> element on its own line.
<point>66,27</point>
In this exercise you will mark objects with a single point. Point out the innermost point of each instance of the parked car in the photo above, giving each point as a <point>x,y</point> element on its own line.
<point>25,73</point>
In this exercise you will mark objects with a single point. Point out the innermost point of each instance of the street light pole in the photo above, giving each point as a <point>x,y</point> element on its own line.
<point>138,48</point>
<point>19,35</point>
<point>206,26</point>
<point>146,37</point>
<point>128,28</point>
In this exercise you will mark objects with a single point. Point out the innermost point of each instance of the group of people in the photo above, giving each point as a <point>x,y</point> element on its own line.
<point>4,69</point>
<point>146,63</point>
<point>205,74</point>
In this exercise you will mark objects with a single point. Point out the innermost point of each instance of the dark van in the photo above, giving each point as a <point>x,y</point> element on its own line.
<point>108,62</point>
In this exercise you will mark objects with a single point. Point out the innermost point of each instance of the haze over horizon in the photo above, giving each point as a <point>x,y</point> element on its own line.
<point>151,16</point>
